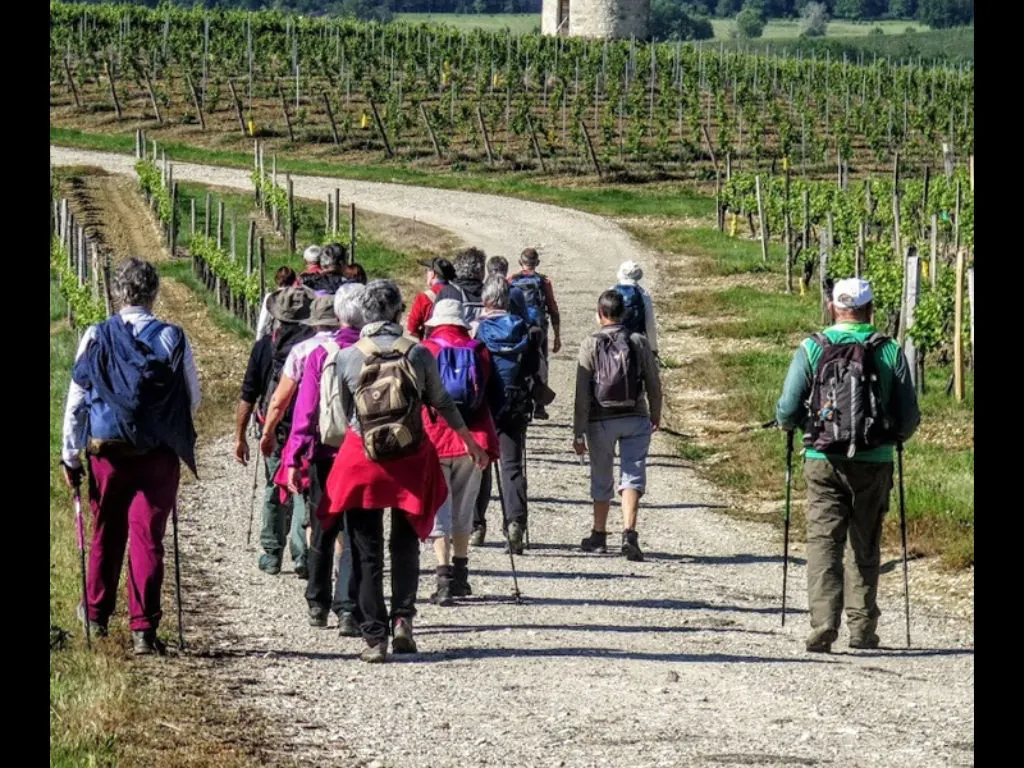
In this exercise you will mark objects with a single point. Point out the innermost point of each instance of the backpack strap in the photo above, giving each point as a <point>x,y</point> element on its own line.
<point>332,348</point>
<point>403,344</point>
<point>431,295</point>
<point>368,347</point>
<point>876,340</point>
<point>821,340</point>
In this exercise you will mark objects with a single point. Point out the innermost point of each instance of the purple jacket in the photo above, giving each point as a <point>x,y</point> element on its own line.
<point>303,443</point>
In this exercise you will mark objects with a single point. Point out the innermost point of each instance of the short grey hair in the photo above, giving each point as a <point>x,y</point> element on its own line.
<point>495,293</point>
<point>380,301</point>
<point>137,283</point>
<point>497,265</point>
<point>346,304</point>
<point>469,264</point>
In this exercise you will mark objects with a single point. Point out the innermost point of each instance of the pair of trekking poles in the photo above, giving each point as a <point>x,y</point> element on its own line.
<point>80,531</point>
<point>785,540</point>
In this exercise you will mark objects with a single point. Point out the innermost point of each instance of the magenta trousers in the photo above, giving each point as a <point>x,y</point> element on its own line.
<point>131,499</point>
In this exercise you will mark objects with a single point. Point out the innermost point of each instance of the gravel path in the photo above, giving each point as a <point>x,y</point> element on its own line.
<point>679,660</point>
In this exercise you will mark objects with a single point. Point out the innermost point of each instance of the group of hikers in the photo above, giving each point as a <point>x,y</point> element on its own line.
<point>357,413</point>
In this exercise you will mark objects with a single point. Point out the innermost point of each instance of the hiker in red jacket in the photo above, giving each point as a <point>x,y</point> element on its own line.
<point>439,273</point>
<point>474,387</point>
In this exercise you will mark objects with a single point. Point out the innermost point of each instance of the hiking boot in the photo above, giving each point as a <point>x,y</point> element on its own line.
<point>96,628</point>
<point>302,572</point>
<point>540,414</point>
<point>270,565</point>
<point>477,539</point>
<point>402,640</point>
<point>348,626</point>
<point>865,642</point>
<point>443,594</point>
<point>317,616</point>
<point>597,541</point>
<point>460,578</point>
<point>376,654</point>
<point>631,547</point>
<point>515,538</point>
<point>145,643</point>
<point>820,640</point>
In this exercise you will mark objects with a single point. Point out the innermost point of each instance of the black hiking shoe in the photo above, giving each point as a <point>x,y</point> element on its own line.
<point>96,628</point>
<point>348,626</point>
<point>867,642</point>
<point>317,616</point>
<point>477,539</point>
<point>460,578</point>
<point>402,640</point>
<point>597,541</point>
<point>540,414</point>
<point>443,594</point>
<point>820,640</point>
<point>515,538</point>
<point>146,643</point>
<point>270,565</point>
<point>302,572</point>
<point>631,547</point>
<point>376,654</point>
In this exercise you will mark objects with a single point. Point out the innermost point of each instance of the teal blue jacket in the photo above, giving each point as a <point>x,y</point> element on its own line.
<point>898,395</point>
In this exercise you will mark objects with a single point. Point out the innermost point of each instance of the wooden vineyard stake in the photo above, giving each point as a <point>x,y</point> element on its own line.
<point>195,100</point>
<point>152,95</point>
<point>822,271</point>
<point>590,147</point>
<point>956,218</point>
<point>284,110</point>
<point>486,137</point>
<point>330,118</point>
<point>250,253</point>
<point>172,225</point>
<point>788,224</point>
<point>263,275</point>
<point>113,88</point>
<point>291,215</point>
<point>336,223</point>
<point>327,216</point>
<point>536,145</point>
<point>970,298</point>
<point>933,268</point>
<point>206,217</point>
<point>220,225</point>
<point>192,217</point>
<point>911,293</point>
<point>238,107</point>
<point>94,270</point>
<point>430,131</point>
<point>761,218</point>
<point>74,90</point>
<point>958,330</point>
<point>896,237</point>
<point>352,234</point>
<point>380,128</point>
<point>107,298</point>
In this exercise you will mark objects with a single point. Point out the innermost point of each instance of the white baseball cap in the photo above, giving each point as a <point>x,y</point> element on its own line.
<point>852,293</point>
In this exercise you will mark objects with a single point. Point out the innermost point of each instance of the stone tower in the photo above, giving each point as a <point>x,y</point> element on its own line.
<point>601,19</point>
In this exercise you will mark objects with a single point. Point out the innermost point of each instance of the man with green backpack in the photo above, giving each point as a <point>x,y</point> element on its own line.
<point>850,389</point>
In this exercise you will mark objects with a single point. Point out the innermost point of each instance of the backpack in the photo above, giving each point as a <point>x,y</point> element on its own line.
<point>845,404</point>
<point>472,302</point>
<point>285,336</point>
<point>387,401</point>
<point>459,366</point>
<point>333,420</point>
<point>507,337</point>
<point>616,371</point>
<point>532,287</point>
<point>324,282</point>
<point>635,319</point>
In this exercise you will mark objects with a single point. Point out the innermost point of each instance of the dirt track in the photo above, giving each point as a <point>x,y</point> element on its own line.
<point>676,661</point>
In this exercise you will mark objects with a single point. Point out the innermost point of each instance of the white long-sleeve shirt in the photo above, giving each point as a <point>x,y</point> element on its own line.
<point>76,412</point>
<point>652,326</point>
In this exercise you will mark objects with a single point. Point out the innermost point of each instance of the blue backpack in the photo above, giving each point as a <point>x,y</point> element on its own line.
<point>635,319</point>
<point>507,338</point>
<point>532,287</point>
<point>460,372</point>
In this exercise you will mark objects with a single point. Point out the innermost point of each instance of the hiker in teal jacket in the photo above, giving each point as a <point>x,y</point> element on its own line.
<point>847,487</point>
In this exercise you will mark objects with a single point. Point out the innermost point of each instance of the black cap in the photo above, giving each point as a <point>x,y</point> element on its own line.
<point>441,267</point>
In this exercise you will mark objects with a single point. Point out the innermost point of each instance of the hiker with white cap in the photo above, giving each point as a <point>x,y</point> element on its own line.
<point>849,389</point>
<point>639,305</point>
<point>467,373</point>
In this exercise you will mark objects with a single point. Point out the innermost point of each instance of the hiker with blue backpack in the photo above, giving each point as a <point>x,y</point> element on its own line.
<point>386,460</point>
<point>849,389</point>
<point>498,265</point>
<point>317,429</point>
<point>468,376</point>
<point>134,391</point>
<point>639,306</point>
<point>515,359</point>
<point>542,309</point>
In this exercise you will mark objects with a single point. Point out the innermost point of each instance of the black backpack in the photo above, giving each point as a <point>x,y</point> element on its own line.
<point>323,282</point>
<point>845,404</point>
<point>617,378</point>
<point>286,336</point>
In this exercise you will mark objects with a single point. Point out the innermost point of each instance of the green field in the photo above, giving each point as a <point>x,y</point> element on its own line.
<point>780,29</point>
<point>519,23</point>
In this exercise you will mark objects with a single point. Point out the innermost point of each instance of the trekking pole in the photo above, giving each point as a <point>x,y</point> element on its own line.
<point>785,520</point>
<point>903,536</point>
<point>80,530</point>
<point>511,557</point>
<point>252,502</point>
<point>177,578</point>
